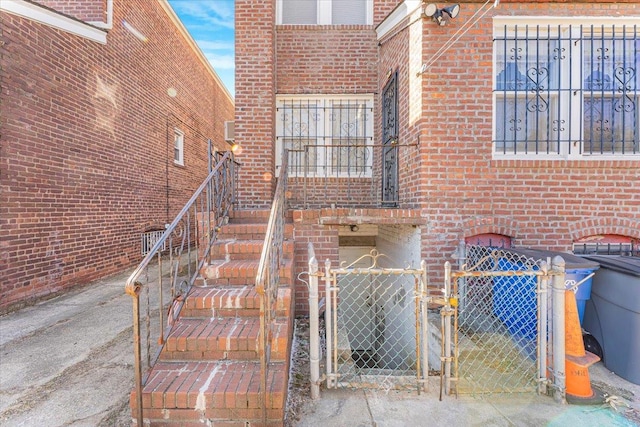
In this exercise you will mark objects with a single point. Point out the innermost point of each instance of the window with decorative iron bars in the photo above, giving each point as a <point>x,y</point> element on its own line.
<point>148,239</point>
<point>326,136</point>
<point>566,89</point>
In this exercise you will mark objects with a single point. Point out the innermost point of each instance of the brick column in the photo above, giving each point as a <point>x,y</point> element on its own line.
<point>255,91</point>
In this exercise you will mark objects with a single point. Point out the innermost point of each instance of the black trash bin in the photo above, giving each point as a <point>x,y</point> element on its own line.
<point>612,315</point>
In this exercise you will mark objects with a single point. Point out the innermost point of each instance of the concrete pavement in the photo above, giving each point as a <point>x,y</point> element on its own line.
<point>358,408</point>
<point>69,362</point>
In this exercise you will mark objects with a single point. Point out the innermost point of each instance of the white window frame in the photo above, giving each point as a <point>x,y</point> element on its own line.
<point>326,137</point>
<point>324,12</point>
<point>178,147</point>
<point>573,73</point>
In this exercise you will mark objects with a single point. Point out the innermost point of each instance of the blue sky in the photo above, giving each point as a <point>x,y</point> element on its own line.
<point>211,24</point>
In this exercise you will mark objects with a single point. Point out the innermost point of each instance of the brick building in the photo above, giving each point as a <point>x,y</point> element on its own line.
<point>516,122</point>
<point>107,108</point>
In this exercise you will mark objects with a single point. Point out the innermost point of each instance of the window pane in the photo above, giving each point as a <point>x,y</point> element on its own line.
<point>348,131</point>
<point>300,121</point>
<point>348,12</point>
<point>523,125</point>
<point>525,64</point>
<point>609,84</point>
<point>610,125</point>
<point>299,12</point>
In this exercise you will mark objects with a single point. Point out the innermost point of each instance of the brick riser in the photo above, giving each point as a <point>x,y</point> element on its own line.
<point>209,369</point>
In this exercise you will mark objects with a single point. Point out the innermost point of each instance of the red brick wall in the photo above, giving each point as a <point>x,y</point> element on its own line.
<point>87,145</point>
<point>255,102</point>
<point>84,10</point>
<point>546,204</point>
<point>289,59</point>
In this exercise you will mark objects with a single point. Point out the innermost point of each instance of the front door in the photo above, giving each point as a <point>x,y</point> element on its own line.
<point>390,195</point>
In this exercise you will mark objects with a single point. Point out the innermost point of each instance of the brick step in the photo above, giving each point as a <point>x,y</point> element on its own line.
<point>250,231</point>
<point>212,393</point>
<point>234,249</point>
<point>241,272</point>
<point>249,215</point>
<point>226,338</point>
<point>254,215</point>
<point>231,301</point>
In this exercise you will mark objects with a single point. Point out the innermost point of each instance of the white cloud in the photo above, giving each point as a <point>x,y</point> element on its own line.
<point>221,62</point>
<point>209,45</point>
<point>214,12</point>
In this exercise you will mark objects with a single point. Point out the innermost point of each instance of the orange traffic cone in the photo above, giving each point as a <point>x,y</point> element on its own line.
<point>577,360</point>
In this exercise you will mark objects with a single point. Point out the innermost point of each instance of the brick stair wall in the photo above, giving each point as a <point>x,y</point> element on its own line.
<point>208,372</point>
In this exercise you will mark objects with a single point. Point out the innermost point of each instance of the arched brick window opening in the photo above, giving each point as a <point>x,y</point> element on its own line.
<point>607,244</point>
<point>489,239</point>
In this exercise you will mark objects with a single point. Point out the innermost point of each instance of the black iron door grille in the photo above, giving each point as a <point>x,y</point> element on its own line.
<point>390,196</point>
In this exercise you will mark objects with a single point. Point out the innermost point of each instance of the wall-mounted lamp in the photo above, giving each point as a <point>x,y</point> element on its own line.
<point>354,228</point>
<point>437,15</point>
<point>234,147</point>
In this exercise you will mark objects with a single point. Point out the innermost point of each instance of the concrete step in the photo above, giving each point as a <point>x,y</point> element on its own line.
<point>212,393</point>
<point>231,301</point>
<point>223,339</point>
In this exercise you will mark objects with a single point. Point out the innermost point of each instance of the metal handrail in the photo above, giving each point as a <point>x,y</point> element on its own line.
<point>189,239</point>
<point>268,278</point>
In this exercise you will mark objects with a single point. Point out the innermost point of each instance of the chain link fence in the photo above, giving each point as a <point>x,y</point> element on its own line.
<point>497,321</point>
<point>375,326</point>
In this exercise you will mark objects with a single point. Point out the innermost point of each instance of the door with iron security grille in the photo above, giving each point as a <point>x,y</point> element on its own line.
<point>390,190</point>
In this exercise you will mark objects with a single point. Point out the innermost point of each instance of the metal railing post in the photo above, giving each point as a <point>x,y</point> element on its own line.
<point>314,329</point>
<point>558,267</point>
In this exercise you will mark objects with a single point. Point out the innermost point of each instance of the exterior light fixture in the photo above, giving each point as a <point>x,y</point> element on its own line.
<point>234,147</point>
<point>437,15</point>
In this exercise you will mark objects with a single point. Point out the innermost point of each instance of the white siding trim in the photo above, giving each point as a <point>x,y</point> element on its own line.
<point>401,12</point>
<point>53,19</point>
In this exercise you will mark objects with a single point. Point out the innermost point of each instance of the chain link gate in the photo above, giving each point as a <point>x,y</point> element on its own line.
<point>501,303</point>
<point>376,324</point>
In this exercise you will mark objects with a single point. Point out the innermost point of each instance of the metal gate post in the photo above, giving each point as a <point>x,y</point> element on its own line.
<point>558,267</point>
<point>328,318</point>
<point>446,336</point>
<point>425,325</point>
<point>542,328</point>
<point>314,334</point>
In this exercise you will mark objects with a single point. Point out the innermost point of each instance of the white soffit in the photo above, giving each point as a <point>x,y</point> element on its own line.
<point>53,19</point>
<point>401,12</point>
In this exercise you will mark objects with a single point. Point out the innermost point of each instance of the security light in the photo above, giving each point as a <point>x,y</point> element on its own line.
<point>432,11</point>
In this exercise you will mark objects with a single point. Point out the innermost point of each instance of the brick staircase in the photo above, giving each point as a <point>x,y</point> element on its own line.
<point>208,372</point>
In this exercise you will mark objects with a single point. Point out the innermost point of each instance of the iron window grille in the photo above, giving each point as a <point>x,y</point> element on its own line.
<point>148,240</point>
<point>326,137</point>
<point>566,90</point>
